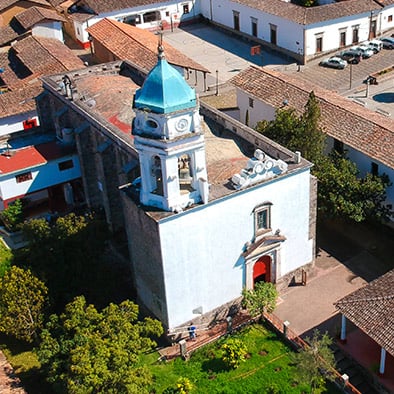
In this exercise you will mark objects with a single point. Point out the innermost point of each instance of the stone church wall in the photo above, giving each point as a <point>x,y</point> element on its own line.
<point>146,258</point>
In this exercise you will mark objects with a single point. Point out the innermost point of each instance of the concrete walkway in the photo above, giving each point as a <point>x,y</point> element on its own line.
<point>311,306</point>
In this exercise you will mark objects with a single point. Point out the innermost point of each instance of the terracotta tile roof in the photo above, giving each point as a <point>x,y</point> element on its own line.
<point>34,15</point>
<point>139,46</point>
<point>310,15</point>
<point>30,157</point>
<point>371,308</point>
<point>41,56</point>
<point>8,3</point>
<point>7,34</point>
<point>46,55</point>
<point>356,126</point>
<point>19,101</point>
<point>109,96</point>
<point>101,6</point>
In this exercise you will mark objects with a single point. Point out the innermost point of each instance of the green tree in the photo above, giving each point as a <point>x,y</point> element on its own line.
<point>311,139</point>
<point>315,363</point>
<point>5,259</point>
<point>343,193</point>
<point>22,302</point>
<point>69,255</point>
<point>13,216</point>
<point>260,299</point>
<point>233,353</point>
<point>297,133</point>
<point>89,351</point>
<point>283,128</point>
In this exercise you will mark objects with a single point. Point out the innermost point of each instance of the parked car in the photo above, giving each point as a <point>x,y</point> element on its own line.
<point>351,56</point>
<point>375,45</point>
<point>333,62</point>
<point>387,42</point>
<point>365,51</point>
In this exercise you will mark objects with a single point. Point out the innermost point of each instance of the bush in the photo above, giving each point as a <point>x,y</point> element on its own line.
<point>234,352</point>
<point>13,217</point>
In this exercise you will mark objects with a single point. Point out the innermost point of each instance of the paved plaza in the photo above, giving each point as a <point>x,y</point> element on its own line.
<point>224,55</point>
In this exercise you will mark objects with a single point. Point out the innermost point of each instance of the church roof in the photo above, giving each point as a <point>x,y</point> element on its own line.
<point>165,90</point>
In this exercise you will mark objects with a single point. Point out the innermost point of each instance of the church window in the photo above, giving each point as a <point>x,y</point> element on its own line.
<point>151,124</point>
<point>184,173</point>
<point>251,102</point>
<point>262,218</point>
<point>157,176</point>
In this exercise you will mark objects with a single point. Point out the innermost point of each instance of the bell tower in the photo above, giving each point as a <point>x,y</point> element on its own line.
<point>168,137</point>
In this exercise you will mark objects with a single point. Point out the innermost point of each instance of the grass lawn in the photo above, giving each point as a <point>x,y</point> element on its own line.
<point>268,368</point>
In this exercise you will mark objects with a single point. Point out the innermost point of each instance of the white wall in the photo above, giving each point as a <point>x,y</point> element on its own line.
<point>43,176</point>
<point>173,8</point>
<point>14,123</point>
<point>384,23</point>
<point>202,247</point>
<point>288,32</point>
<point>49,30</point>
<point>260,110</point>
<point>331,34</point>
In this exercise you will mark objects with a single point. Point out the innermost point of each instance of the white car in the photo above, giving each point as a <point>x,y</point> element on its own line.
<point>366,52</point>
<point>375,45</point>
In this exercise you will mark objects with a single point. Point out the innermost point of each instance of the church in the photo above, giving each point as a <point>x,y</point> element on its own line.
<point>208,205</point>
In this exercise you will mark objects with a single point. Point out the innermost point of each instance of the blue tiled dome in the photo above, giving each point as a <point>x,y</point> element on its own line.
<point>164,90</point>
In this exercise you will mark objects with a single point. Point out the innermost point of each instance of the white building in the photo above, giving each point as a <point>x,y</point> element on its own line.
<point>365,135</point>
<point>302,32</point>
<point>197,246</point>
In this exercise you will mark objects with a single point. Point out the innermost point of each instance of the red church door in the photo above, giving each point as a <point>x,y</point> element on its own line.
<point>262,270</point>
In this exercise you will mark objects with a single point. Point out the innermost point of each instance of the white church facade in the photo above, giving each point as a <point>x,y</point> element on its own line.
<point>208,206</point>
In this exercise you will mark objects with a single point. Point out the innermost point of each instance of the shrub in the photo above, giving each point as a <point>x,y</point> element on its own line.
<point>234,352</point>
<point>12,217</point>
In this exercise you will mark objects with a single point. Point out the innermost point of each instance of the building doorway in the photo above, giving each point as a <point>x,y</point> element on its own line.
<point>262,270</point>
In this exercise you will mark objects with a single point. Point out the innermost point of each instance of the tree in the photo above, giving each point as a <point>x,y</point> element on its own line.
<point>234,352</point>
<point>87,351</point>
<point>69,255</point>
<point>315,363</point>
<point>343,193</point>
<point>297,133</point>
<point>22,302</point>
<point>260,299</point>
<point>13,216</point>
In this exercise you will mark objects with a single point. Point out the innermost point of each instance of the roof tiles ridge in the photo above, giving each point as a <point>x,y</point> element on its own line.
<point>326,95</point>
<point>366,299</point>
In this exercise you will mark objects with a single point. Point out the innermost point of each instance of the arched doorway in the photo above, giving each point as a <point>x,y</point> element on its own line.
<point>262,270</point>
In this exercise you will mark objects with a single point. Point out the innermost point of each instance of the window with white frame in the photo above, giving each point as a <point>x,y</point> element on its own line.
<point>262,218</point>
